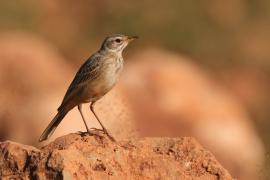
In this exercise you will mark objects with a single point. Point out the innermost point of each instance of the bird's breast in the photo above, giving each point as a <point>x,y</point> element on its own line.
<point>109,75</point>
<point>112,71</point>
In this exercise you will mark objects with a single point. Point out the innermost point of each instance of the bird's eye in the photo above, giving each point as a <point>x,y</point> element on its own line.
<point>118,40</point>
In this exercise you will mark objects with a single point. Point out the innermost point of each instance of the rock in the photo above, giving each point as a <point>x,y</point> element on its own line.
<point>80,156</point>
<point>172,96</point>
<point>160,94</point>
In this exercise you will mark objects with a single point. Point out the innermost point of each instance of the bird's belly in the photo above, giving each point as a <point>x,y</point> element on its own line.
<point>104,83</point>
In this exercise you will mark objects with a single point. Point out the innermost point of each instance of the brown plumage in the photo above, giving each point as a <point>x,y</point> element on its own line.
<point>95,78</point>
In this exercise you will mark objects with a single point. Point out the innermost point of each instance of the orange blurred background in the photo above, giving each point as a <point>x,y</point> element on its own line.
<point>200,68</point>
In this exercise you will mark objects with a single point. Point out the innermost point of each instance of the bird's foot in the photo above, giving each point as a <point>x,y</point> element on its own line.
<point>109,136</point>
<point>89,132</point>
<point>82,133</point>
<point>96,129</point>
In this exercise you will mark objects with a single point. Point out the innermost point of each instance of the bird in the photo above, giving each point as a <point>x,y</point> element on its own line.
<point>95,78</point>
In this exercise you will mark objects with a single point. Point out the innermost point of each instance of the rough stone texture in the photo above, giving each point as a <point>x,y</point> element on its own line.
<point>80,156</point>
<point>159,94</point>
<point>173,96</point>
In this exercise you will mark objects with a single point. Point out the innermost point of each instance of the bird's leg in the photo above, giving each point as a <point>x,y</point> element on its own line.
<point>80,109</point>
<point>104,129</point>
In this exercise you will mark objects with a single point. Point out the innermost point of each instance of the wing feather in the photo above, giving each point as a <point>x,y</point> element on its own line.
<point>87,72</point>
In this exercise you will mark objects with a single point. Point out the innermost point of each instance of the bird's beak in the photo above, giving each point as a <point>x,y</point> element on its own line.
<point>131,38</point>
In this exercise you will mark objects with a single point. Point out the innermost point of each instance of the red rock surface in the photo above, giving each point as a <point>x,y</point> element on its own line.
<point>80,156</point>
<point>160,94</point>
<point>173,96</point>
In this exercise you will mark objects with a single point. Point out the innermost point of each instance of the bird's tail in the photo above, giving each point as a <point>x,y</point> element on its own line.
<point>53,125</point>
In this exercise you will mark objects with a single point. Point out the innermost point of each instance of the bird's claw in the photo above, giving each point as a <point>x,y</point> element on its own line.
<point>96,129</point>
<point>91,131</point>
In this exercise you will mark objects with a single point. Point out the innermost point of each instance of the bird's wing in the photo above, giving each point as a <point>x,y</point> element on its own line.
<point>87,72</point>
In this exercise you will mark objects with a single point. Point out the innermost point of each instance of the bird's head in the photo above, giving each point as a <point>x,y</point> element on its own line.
<point>117,43</point>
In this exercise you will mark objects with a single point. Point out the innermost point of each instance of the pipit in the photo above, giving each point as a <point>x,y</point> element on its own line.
<point>96,77</point>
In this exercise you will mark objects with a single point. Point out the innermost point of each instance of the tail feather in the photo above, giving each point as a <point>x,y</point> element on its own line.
<point>53,125</point>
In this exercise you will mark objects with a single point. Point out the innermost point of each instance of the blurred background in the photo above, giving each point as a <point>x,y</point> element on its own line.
<point>200,68</point>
